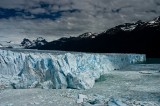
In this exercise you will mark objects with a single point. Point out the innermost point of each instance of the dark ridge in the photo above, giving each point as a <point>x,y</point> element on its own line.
<point>140,37</point>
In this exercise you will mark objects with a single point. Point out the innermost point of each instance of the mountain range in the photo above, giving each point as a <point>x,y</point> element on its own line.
<point>139,37</point>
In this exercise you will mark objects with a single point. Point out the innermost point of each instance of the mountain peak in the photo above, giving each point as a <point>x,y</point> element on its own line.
<point>40,39</point>
<point>155,22</point>
<point>86,35</point>
<point>26,43</point>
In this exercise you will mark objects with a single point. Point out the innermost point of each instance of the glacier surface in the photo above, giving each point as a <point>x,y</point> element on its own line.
<point>20,69</point>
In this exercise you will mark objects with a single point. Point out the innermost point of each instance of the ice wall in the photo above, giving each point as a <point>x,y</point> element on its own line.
<point>29,69</point>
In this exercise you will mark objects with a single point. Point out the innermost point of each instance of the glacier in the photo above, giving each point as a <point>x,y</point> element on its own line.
<point>22,69</point>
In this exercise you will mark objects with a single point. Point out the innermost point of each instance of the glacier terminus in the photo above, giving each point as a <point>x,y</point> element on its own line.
<point>22,69</point>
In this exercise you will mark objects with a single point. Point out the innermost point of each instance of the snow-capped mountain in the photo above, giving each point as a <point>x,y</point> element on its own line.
<point>138,37</point>
<point>26,43</point>
<point>154,22</point>
<point>88,35</point>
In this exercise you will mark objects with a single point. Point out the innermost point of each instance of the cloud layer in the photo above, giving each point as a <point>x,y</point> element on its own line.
<point>53,19</point>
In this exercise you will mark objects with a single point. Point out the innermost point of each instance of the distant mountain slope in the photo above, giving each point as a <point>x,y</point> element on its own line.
<point>26,43</point>
<point>139,37</point>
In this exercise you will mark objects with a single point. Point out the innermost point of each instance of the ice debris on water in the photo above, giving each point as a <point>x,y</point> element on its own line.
<point>81,98</point>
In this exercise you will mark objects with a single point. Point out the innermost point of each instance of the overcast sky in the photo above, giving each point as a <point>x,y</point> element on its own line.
<point>52,19</point>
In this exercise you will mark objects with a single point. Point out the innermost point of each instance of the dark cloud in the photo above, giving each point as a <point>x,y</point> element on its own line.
<point>151,11</point>
<point>116,10</point>
<point>53,19</point>
<point>44,4</point>
<point>24,14</point>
